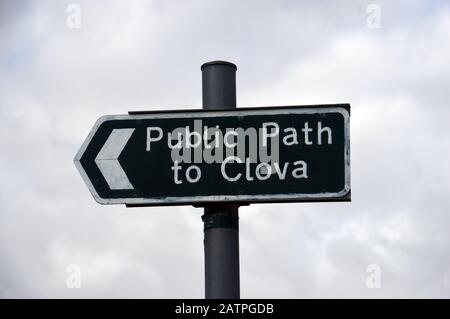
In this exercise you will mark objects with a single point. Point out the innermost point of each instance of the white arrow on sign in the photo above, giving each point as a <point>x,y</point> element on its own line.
<point>107,159</point>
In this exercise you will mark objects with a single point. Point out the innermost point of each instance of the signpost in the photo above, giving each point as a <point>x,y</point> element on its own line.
<point>219,158</point>
<point>247,155</point>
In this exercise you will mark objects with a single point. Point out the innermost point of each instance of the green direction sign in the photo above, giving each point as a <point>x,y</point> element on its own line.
<point>247,155</point>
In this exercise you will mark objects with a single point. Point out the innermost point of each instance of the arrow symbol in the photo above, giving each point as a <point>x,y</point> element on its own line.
<point>107,159</point>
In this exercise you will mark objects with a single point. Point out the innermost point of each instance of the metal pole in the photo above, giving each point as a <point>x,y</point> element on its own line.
<point>221,221</point>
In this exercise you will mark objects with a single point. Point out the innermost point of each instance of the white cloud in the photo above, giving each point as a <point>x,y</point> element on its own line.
<point>55,82</point>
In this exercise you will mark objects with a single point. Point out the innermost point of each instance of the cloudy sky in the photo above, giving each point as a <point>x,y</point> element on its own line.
<point>56,80</point>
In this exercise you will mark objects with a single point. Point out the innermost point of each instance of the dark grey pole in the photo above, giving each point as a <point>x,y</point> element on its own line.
<point>221,221</point>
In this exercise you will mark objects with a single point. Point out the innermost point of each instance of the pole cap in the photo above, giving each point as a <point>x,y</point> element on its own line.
<point>218,63</point>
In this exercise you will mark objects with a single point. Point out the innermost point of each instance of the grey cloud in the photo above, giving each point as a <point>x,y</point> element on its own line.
<point>55,82</point>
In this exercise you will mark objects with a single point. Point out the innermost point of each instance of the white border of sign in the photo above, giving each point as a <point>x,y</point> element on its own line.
<point>191,200</point>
